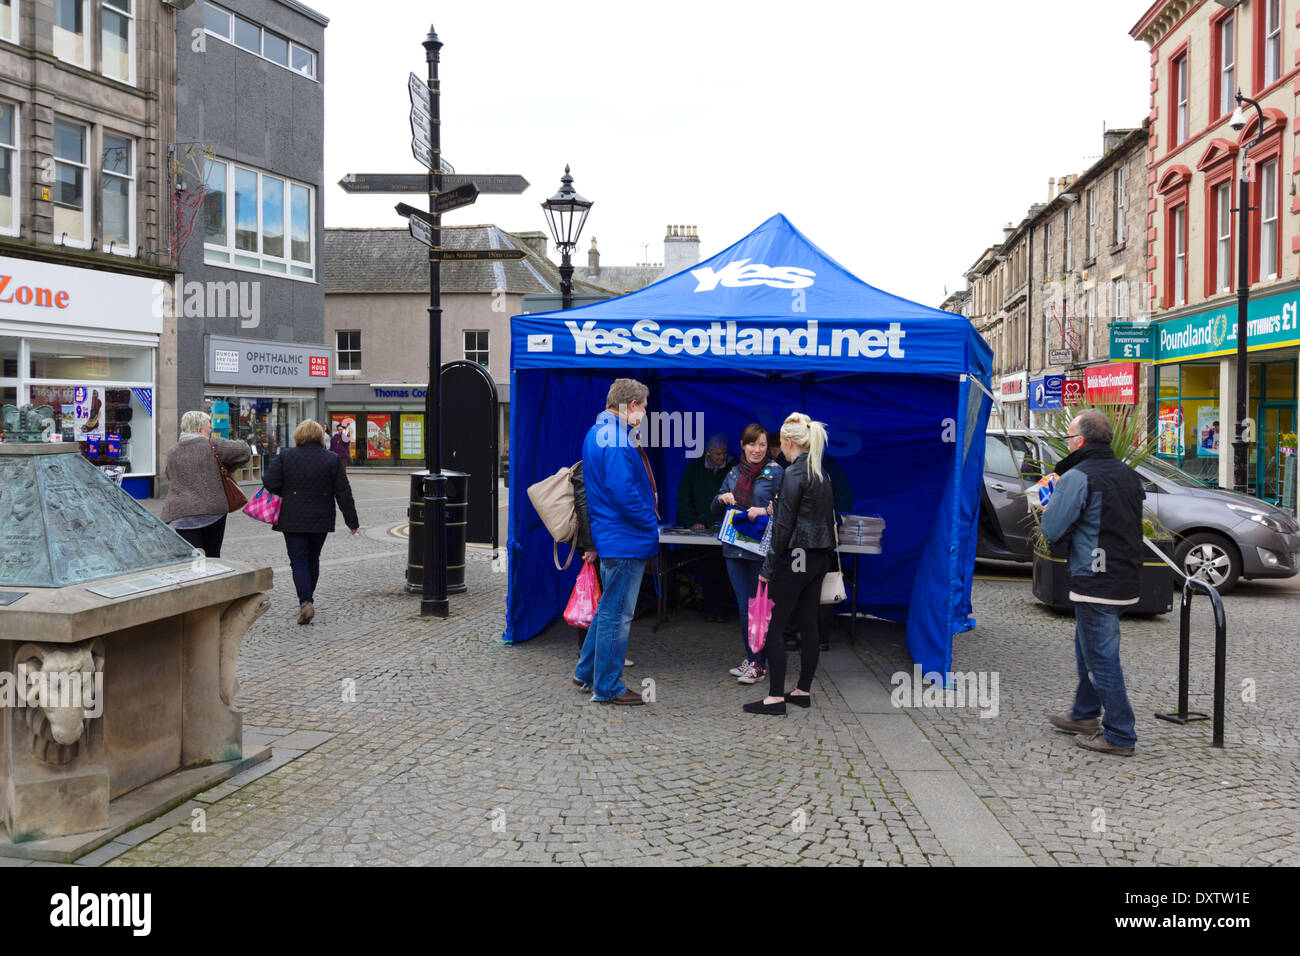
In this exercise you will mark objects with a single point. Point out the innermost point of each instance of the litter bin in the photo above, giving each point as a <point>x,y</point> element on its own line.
<point>457,515</point>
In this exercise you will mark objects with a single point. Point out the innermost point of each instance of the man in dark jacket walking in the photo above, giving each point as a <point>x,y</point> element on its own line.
<point>1097,505</point>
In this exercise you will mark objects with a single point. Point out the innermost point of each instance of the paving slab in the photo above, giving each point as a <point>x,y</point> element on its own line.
<point>969,832</point>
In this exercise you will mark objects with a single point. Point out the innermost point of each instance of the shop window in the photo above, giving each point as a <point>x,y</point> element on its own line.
<point>1092,224</point>
<point>253,237</point>
<point>247,35</point>
<point>476,346</point>
<point>117,30</point>
<point>70,19</point>
<point>8,21</point>
<point>1269,258</point>
<point>275,48</point>
<point>1178,100</point>
<point>1272,10</point>
<point>90,363</point>
<point>348,346</point>
<point>9,360</point>
<point>1178,253</point>
<point>216,21</point>
<point>1222,264</point>
<point>273,223</point>
<point>71,221</point>
<point>9,166</point>
<point>118,199</point>
<point>1118,233</point>
<point>1223,64</point>
<point>1069,243</point>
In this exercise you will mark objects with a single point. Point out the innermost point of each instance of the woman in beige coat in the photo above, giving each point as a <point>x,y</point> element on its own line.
<point>196,505</point>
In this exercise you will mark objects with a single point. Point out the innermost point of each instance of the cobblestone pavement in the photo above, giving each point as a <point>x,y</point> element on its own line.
<point>458,749</point>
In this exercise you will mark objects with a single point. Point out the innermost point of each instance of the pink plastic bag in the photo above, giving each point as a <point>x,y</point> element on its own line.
<point>760,615</point>
<point>586,595</point>
<point>264,507</point>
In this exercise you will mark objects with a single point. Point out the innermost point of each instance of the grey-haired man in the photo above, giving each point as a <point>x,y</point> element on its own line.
<point>1097,506</point>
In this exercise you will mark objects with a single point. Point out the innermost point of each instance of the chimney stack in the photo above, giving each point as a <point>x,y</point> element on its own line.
<point>536,241</point>
<point>593,256</point>
<point>681,249</point>
<point>1051,189</point>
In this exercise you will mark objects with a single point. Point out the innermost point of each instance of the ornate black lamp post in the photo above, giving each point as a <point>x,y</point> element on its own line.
<point>566,212</point>
<point>1238,122</point>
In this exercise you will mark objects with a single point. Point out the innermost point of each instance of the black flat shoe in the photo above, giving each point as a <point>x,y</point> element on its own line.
<point>758,707</point>
<point>799,700</point>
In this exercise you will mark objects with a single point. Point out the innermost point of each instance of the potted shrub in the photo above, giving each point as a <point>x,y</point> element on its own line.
<point>1132,445</point>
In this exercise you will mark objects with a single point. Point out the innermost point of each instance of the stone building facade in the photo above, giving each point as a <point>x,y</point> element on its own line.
<point>87,114</point>
<point>1044,297</point>
<point>249,321</point>
<point>1201,53</point>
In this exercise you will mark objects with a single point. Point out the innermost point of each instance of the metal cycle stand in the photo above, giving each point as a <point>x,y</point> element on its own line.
<point>1183,716</point>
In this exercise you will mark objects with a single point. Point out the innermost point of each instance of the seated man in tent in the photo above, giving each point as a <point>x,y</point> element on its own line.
<point>699,486</point>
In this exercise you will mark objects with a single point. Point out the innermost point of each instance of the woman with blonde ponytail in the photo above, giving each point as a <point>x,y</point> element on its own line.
<point>803,538</point>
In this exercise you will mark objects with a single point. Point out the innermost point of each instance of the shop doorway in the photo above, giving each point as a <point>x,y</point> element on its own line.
<point>1275,420</point>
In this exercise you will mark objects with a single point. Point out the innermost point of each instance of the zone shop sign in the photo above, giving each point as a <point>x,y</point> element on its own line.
<point>1013,387</point>
<point>232,361</point>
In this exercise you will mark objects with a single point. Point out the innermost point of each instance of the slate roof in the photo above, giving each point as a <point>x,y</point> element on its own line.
<point>620,279</point>
<point>391,260</point>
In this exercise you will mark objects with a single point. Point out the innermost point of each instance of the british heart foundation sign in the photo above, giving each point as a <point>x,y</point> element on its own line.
<point>1113,384</point>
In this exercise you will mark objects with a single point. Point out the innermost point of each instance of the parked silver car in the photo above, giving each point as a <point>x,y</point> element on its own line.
<point>1221,536</point>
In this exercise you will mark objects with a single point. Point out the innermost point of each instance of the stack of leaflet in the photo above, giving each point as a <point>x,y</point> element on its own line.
<point>866,530</point>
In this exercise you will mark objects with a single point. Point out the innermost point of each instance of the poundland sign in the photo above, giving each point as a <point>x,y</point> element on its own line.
<point>1273,322</point>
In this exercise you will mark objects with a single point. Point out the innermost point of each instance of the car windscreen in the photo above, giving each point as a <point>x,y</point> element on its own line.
<point>1166,472</point>
<point>997,457</point>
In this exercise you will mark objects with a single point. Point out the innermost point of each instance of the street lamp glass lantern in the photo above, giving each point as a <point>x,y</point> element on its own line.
<point>566,213</point>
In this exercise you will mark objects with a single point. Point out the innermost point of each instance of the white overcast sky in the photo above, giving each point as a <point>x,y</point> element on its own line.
<point>898,137</point>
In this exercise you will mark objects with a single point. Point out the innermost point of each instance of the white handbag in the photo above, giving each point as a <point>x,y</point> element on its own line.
<point>833,582</point>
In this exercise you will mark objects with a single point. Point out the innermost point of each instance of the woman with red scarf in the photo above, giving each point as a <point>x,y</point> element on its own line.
<point>751,484</point>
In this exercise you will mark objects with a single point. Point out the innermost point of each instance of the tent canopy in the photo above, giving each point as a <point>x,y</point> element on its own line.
<point>769,326</point>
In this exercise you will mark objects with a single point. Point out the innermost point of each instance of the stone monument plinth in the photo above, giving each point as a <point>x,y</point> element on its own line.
<point>119,645</point>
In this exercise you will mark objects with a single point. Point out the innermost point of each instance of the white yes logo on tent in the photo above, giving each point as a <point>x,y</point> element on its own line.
<point>739,274</point>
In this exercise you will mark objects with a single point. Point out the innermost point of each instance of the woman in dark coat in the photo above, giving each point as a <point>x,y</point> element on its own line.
<point>803,539</point>
<point>309,479</point>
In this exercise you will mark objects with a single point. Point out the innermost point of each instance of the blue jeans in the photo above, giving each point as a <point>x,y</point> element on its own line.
<point>601,662</point>
<point>1101,681</point>
<point>744,581</point>
<point>304,557</point>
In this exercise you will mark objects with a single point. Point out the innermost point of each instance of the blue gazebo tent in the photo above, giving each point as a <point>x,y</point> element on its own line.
<point>769,326</point>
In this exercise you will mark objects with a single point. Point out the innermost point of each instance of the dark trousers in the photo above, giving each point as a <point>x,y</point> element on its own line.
<point>208,538</point>
<point>797,596</point>
<point>304,557</point>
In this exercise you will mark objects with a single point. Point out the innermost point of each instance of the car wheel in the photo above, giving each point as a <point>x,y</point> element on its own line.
<point>1210,558</point>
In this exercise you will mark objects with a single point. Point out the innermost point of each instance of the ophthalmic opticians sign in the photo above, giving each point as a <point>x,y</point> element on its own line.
<point>232,361</point>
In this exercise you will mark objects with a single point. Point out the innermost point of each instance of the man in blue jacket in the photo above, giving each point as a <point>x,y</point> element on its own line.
<point>1097,504</point>
<point>622,505</point>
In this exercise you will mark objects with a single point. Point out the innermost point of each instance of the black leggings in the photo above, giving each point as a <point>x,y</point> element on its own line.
<point>208,538</point>
<point>798,597</point>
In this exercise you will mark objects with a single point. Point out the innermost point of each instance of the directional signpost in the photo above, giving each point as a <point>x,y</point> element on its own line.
<point>446,191</point>
<point>419,183</point>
